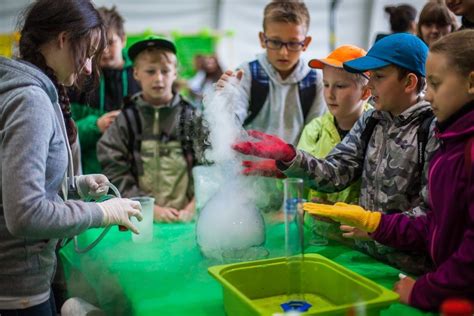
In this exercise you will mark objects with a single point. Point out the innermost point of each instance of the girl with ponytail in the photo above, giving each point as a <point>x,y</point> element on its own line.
<point>61,43</point>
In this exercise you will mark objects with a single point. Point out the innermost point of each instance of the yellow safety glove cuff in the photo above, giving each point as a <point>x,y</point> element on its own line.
<point>352,215</point>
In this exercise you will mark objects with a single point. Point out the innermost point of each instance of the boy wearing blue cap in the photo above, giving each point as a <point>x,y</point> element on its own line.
<point>385,147</point>
<point>150,149</point>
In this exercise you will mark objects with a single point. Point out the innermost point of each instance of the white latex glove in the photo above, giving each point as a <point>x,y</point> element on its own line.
<point>92,185</point>
<point>118,211</point>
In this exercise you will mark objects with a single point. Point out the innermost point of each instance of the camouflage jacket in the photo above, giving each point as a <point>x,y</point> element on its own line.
<point>391,180</point>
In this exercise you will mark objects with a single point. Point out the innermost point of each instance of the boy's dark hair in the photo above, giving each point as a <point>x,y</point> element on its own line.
<point>401,17</point>
<point>112,20</point>
<point>43,21</point>
<point>403,72</point>
<point>436,13</point>
<point>458,47</point>
<point>288,11</point>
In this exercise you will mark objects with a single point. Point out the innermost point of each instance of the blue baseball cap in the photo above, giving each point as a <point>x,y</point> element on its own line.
<point>400,49</point>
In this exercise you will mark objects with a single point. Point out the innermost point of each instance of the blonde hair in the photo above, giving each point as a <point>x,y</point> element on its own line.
<point>360,79</point>
<point>288,11</point>
<point>458,47</point>
<point>157,55</point>
<point>357,78</point>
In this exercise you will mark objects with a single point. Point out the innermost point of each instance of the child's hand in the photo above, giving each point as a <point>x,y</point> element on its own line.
<point>348,214</point>
<point>105,120</point>
<point>265,146</point>
<point>354,233</point>
<point>265,168</point>
<point>404,288</point>
<point>165,214</point>
<point>186,216</point>
<point>224,79</point>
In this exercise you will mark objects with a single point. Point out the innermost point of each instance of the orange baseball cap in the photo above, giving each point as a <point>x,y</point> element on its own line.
<point>338,56</point>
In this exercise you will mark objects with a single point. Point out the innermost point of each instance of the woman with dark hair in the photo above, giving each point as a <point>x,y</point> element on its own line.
<point>402,19</point>
<point>435,21</point>
<point>60,44</point>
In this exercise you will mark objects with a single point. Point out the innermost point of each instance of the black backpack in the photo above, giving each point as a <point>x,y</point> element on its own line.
<point>134,125</point>
<point>423,132</point>
<point>260,87</point>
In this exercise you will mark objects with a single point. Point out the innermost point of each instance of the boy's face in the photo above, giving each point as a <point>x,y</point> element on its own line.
<point>343,95</point>
<point>112,55</point>
<point>156,75</point>
<point>387,90</point>
<point>284,57</point>
<point>461,7</point>
<point>447,89</point>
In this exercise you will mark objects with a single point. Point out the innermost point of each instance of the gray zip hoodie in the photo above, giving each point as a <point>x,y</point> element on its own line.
<point>35,163</point>
<point>281,113</point>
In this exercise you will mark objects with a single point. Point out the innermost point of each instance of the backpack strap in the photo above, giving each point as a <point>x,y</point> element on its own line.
<point>370,124</point>
<point>185,132</point>
<point>307,91</point>
<point>134,127</point>
<point>423,133</point>
<point>260,88</point>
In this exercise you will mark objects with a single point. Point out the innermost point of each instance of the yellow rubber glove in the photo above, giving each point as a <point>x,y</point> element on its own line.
<point>353,215</point>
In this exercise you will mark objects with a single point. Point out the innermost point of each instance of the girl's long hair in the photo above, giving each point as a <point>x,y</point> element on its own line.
<point>42,22</point>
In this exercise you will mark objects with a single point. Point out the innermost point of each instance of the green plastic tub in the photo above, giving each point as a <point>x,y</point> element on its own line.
<point>259,287</point>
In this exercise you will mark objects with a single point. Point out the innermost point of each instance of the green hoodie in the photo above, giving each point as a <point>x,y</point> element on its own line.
<point>86,110</point>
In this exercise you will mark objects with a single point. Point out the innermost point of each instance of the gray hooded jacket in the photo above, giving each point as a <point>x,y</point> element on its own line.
<point>281,113</point>
<point>35,162</point>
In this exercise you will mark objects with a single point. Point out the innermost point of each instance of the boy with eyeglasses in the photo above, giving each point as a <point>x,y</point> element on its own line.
<point>283,93</point>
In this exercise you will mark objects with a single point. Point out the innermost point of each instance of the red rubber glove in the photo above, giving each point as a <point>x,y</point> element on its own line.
<point>266,168</point>
<point>269,146</point>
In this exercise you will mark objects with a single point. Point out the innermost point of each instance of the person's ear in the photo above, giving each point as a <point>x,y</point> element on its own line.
<point>470,83</point>
<point>411,82</point>
<point>135,73</point>
<point>124,40</point>
<point>365,93</point>
<point>62,38</point>
<point>413,26</point>
<point>307,41</point>
<point>262,39</point>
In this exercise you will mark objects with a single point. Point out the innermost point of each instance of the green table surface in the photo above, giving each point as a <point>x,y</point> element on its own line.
<point>169,275</point>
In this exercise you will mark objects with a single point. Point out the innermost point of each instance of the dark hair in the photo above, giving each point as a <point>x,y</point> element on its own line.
<point>112,20</point>
<point>436,13</point>
<point>403,72</point>
<point>288,11</point>
<point>42,22</point>
<point>458,47</point>
<point>401,17</point>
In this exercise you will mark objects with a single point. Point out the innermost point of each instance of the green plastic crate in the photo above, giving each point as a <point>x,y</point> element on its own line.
<point>259,287</point>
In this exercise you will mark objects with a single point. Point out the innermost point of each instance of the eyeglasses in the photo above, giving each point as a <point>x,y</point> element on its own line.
<point>277,44</point>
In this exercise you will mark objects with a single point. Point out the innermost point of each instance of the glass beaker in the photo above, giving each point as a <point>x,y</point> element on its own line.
<point>294,235</point>
<point>146,225</point>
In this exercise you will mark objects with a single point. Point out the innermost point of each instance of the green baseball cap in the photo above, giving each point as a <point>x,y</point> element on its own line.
<point>150,41</point>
